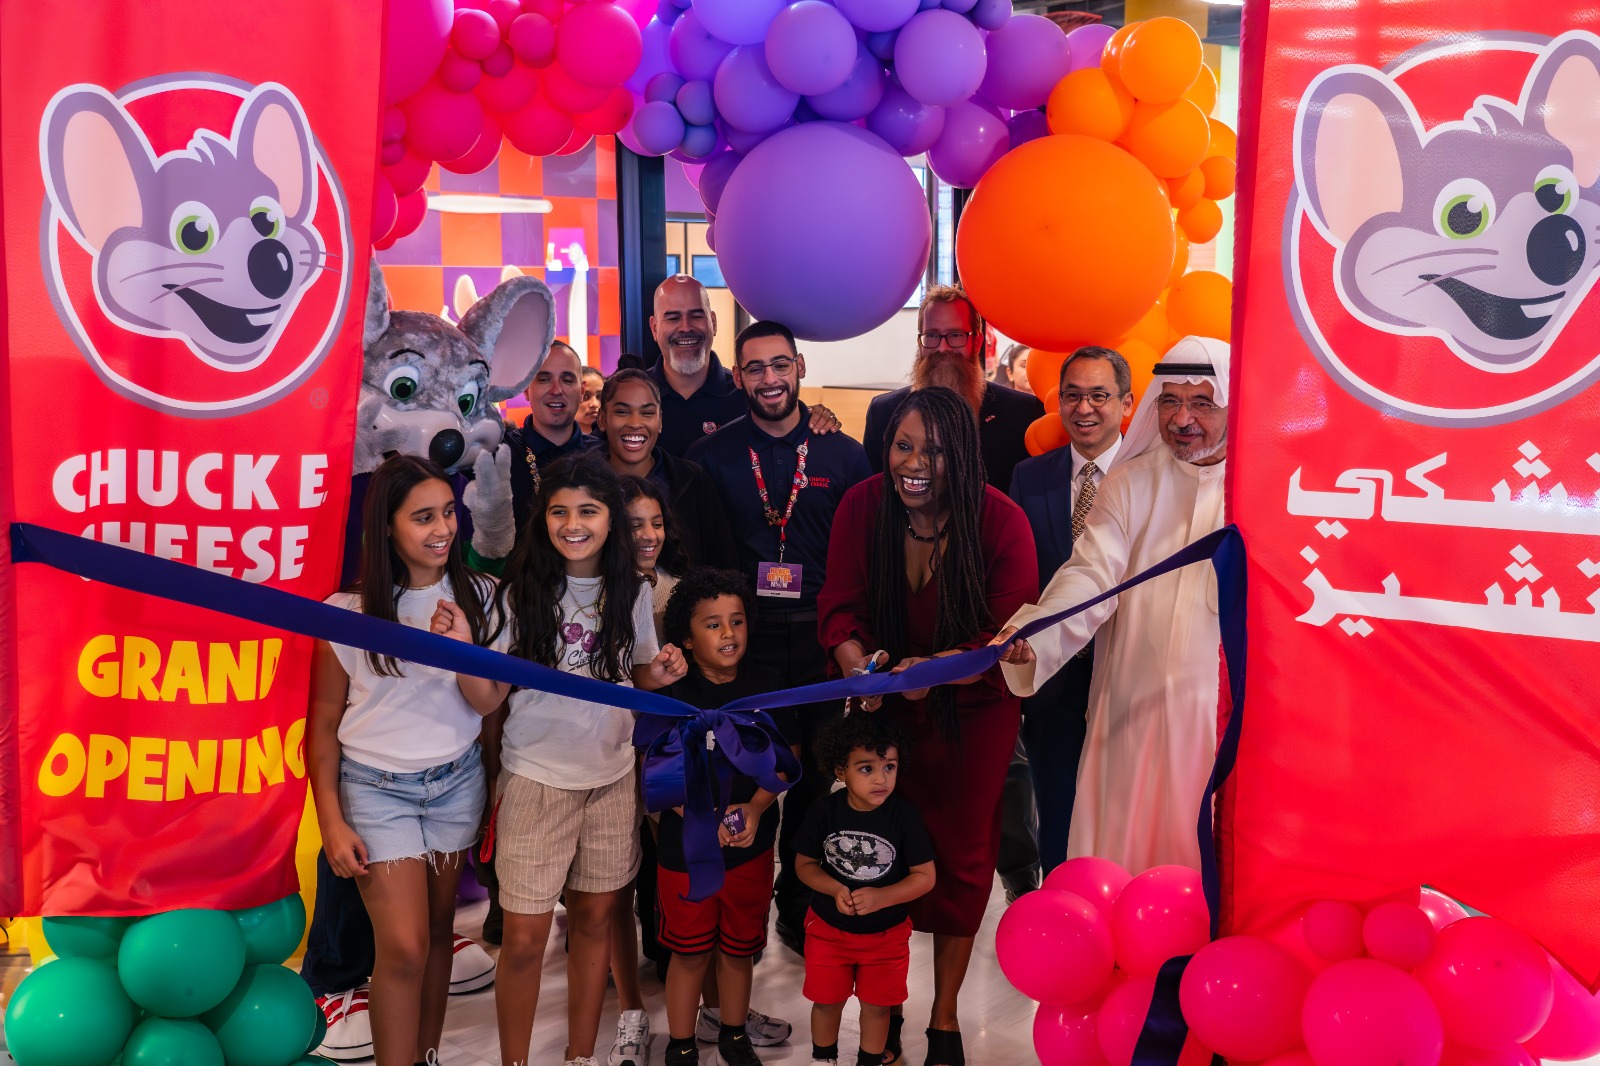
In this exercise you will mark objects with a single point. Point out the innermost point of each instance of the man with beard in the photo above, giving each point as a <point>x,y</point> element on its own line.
<point>551,430</point>
<point>1152,730</point>
<point>951,341</point>
<point>780,482</point>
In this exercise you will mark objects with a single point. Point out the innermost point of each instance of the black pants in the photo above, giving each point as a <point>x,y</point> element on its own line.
<point>1018,864</point>
<point>339,946</point>
<point>1053,731</point>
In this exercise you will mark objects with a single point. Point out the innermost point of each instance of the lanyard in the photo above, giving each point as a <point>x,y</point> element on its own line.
<point>773,517</point>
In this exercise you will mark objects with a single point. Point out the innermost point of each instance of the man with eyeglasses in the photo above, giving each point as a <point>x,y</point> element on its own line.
<point>1152,728</point>
<point>781,482</point>
<point>951,341</point>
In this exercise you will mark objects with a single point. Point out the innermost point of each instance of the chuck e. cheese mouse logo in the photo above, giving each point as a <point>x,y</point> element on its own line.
<point>203,273</point>
<point>1453,202</point>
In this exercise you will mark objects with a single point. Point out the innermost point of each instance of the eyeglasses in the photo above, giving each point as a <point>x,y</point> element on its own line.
<point>1200,408</point>
<point>1097,399</point>
<point>779,366</point>
<point>957,339</point>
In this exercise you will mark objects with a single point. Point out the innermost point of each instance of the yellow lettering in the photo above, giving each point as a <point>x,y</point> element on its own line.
<point>271,649</point>
<point>97,673</point>
<point>229,670</point>
<point>141,660</point>
<point>188,772</point>
<point>228,773</point>
<point>68,749</point>
<point>294,747</point>
<point>263,757</point>
<point>108,758</point>
<point>144,763</point>
<point>183,673</point>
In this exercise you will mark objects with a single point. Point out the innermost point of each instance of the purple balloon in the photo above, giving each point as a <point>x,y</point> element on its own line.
<point>695,53</point>
<point>881,45</point>
<point>667,11</point>
<point>1026,126</point>
<point>939,57</point>
<point>991,14</point>
<point>1086,43</point>
<point>960,7</point>
<point>658,127</point>
<point>974,137</point>
<point>663,86</point>
<point>860,93</point>
<point>737,21</point>
<point>811,48</point>
<point>876,16</point>
<point>927,5</point>
<point>699,141</point>
<point>824,228</point>
<point>695,103</point>
<point>748,96</point>
<point>1027,56</point>
<point>744,143</point>
<point>714,178</point>
<point>654,59</point>
<point>908,125</point>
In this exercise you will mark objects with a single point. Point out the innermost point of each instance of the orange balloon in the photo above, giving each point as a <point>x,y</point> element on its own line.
<point>1201,305</point>
<point>1218,172</point>
<point>1160,59</point>
<point>1203,93</point>
<point>1150,330</point>
<point>1180,259</point>
<point>1065,238</point>
<point>1089,103</point>
<point>1187,189</point>
<point>1170,139</point>
<point>1201,221</point>
<point>1044,371</point>
<point>1111,54</point>
<point>1045,433</point>
<point>1223,140</point>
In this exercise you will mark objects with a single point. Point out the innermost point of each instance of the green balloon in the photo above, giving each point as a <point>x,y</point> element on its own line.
<point>172,1042</point>
<point>88,938</point>
<point>267,1020</point>
<point>70,1013</point>
<point>318,1035</point>
<point>273,930</point>
<point>181,963</point>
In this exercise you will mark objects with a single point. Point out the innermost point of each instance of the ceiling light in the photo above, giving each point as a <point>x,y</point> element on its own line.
<point>466,203</point>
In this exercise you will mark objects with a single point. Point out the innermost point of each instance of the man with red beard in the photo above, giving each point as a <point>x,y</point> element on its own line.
<point>951,343</point>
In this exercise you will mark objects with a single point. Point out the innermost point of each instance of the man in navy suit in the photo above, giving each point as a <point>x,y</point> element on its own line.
<point>1056,490</point>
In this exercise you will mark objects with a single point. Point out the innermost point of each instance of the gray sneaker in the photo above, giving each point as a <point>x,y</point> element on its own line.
<point>763,1031</point>
<point>632,1046</point>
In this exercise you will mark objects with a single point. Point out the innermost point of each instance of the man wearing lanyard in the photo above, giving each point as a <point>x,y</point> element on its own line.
<point>551,430</point>
<point>781,484</point>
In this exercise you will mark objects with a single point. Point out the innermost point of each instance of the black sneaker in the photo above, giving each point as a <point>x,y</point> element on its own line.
<point>737,1051</point>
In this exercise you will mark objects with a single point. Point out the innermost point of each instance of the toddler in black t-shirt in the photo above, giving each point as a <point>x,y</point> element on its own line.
<point>865,854</point>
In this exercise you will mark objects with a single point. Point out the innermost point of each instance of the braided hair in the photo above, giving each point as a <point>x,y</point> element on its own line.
<point>963,608</point>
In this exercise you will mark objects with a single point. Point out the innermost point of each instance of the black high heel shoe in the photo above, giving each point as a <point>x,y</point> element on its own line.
<point>945,1048</point>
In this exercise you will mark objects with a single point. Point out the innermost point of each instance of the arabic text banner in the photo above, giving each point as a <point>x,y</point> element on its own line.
<point>1417,463</point>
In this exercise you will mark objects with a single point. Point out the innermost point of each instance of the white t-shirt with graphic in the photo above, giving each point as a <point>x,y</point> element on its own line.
<point>568,743</point>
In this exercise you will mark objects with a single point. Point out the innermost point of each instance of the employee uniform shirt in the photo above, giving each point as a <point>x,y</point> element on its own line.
<point>525,441</point>
<point>685,420</point>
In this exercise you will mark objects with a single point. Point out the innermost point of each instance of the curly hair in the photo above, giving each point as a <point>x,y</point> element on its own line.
<point>698,585</point>
<point>874,732</point>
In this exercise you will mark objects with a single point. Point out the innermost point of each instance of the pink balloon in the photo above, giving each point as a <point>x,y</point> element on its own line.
<point>458,73</point>
<point>610,117</point>
<point>1097,880</point>
<point>408,175</point>
<point>1067,1036</point>
<point>1492,983</point>
<point>538,128</point>
<point>1333,930</point>
<point>598,44</point>
<point>1398,933</point>
<point>500,61</point>
<point>413,209</point>
<point>550,9</point>
<point>392,152</point>
<point>576,143</point>
<point>1361,1012</point>
<point>1160,914</point>
<point>504,12</point>
<point>1242,997</point>
<point>1290,936</point>
<point>1441,909</point>
<point>569,94</point>
<point>1573,1029</point>
<point>1297,1057</point>
<point>1513,1055</point>
<point>1054,947</point>
<point>415,35</point>
<point>385,207</point>
<point>394,124</point>
<point>484,153</point>
<point>1122,1018</point>
<point>441,124</point>
<point>510,93</point>
<point>475,34</point>
<point>641,11</point>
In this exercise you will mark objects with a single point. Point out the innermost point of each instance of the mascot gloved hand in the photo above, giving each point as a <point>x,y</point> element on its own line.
<point>488,498</point>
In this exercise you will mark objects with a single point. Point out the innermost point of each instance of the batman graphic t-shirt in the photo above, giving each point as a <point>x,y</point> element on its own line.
<point>863,849</point>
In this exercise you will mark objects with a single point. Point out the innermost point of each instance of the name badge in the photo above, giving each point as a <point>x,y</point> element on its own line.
<point>781,580</point>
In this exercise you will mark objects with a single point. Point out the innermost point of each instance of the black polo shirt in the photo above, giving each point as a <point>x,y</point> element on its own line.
<point>834,463</point>
<point>525,438</point>
<point>715,403</point>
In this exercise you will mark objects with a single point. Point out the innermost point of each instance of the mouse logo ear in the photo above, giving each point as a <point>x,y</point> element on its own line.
<point>513,327</point>
<point>98,168</point>
<point>1356,138</point>
<point>1562,97</point>
<point>273,135</point>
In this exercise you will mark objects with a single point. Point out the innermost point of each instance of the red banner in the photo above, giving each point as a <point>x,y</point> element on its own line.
<point>1418,468</point>
<point>186,192</point>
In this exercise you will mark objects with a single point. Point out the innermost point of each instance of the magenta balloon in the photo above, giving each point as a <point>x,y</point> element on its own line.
<point>413,209</point>
<point>911,127</point>
<point>385,207</point>
<point>598,44</point>
<point>641,11</point>
<point>939,57</point>
<point>1027,126</point>
<point>861,92</point>
<point>823,227</point>
<point>1440,908</point>
<point>1065,1036</point>
<point>695,53</point>
<point>415,35</point>
<point>1491,981</point>
<point>391,152</point>
<point>500,61</point>
<point>539,128</point>
<point>811,47</point>
<point>458,73</point>
<point>658,127</point>
<point>394,124</point>
<point>714,178</point>
<point>654,58</point>
<point>504,12</point>
<point>1573,1029</point>
<point>991,14</point>
<point>483,154</point>
<point>1242,996</point>
<point>1055,947</point>
<point>1160,914</point>
<point>1457,1055</point>
<point>533,39</point>
<point>1360,1012</point>
<point>408,175</point>
<point>748,96</point>
<point>510,93</point>
<point>1027,56</point>
<point>1397,933</point>
<point>441,124</point>
<point>973,140</point>
<point>877,16</point>
<point>1097,880</point>
<point>1086,43</point>
<point>1121,1017</point>
<point>696,103</point>
<point>474,34</point>
<point>1333,930</point>
<point>737,21</point>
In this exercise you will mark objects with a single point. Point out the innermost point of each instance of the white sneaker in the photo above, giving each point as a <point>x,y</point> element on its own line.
<point>632,1047</point>
<point>763,1031</point>
<point>471,967</point>
<point>349,1036</point>
<point>582,1060</point>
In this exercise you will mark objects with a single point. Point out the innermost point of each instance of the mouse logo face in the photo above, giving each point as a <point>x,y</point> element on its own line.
<point>208,243</point>
<point>1471,243</point>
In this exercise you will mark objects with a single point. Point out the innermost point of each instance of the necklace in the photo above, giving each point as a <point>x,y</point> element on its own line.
<point>921,539</point>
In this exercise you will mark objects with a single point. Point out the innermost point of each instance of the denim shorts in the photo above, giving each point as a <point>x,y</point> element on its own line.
<point>411,816</point>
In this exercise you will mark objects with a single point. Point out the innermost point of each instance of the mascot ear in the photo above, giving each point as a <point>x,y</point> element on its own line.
<point>377,320</point>
<point>513,327</point>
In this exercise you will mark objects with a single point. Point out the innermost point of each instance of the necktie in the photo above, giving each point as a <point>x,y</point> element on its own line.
<point>1085,501</point>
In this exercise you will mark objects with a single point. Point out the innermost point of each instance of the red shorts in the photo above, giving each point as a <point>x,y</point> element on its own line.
<point>874,965</point>
<point>734,921</point>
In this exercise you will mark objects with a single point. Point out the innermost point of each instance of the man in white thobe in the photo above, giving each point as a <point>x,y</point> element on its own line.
<point>1153,702</point>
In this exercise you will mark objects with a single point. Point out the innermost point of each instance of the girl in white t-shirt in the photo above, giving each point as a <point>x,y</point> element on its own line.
<point>394,756</point>
<point>566,823</point>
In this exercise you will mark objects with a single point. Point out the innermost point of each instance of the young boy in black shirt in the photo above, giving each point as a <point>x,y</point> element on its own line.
<point>865,854</point>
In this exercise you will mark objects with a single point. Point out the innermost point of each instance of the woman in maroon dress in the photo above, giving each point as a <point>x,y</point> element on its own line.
<point>928,560</point>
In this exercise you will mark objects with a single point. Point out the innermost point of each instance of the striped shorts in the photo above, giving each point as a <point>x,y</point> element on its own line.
<point>548,839</point>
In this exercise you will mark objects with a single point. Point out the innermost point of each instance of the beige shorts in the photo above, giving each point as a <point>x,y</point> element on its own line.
<point>548,839</point>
